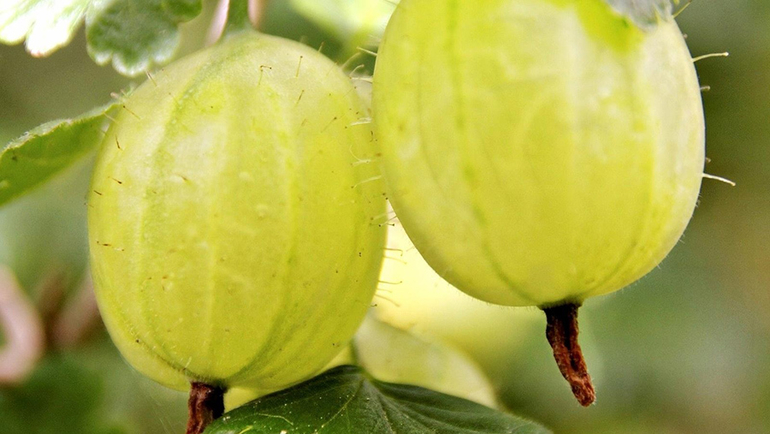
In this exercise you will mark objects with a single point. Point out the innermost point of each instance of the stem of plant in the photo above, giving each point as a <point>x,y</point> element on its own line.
<point>562,334</point>
<point>238,16</point>
<point>206,403</point>
<point>233,16</point>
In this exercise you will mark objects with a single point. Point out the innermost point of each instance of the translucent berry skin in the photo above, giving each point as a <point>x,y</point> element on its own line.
<point>538,152</point>
<point>230,221</point>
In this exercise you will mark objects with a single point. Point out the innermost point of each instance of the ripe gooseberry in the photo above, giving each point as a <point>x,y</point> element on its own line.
<point>230,218</point>
<point>539,152</point>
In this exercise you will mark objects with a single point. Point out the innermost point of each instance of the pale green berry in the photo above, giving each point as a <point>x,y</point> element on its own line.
<point>230,217</point>
<point>538,152</point>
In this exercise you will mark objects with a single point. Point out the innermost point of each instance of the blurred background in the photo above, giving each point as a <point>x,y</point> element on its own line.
<point>685,350</point>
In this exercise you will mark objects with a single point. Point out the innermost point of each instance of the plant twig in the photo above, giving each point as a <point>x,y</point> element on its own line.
<point>230,14</point>
<point>206,403</point>
<point>562,334</point>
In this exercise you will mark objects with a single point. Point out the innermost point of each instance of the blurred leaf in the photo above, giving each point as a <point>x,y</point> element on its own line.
<point>133,34</point>
<point>346,400</point>
<point>397,356</point>
<point>136,34</point>
<point>183,10</point>
<point>46,24</point>
<point>41,153</point>
<point>60,397</point>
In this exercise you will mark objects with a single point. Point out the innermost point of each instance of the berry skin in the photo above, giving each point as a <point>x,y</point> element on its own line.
<point>555,155</point>
<point>230,219</point>
<point>538,152</point>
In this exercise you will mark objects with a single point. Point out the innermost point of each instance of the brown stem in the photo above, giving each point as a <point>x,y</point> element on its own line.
<point>206,403</point>
<point>562,334</point>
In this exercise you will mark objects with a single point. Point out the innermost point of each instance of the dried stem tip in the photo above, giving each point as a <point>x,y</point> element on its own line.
<point>562,334</point>
<point>206,403</point>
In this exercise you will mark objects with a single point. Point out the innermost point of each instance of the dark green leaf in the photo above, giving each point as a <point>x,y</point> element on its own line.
<point>136,34</point>
<point>41,153</point>
<point>645,13</point>
<point>346,400</point>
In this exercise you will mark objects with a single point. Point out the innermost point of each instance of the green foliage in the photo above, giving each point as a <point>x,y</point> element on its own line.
<point>183,10</point>
<point>133,34</point>
<point>136,34</point>
<point>346,400</point>
<point>43,152</point>
<point>61,397</point>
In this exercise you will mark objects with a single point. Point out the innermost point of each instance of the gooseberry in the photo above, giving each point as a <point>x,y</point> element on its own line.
<point>230,218</point>
<point>539,152</point>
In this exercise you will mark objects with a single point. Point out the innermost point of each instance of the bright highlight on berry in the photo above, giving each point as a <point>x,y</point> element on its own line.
<point>539,152</point>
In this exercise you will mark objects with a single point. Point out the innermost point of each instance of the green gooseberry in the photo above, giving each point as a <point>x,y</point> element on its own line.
<point>230,217</point>
<point>539,152</point>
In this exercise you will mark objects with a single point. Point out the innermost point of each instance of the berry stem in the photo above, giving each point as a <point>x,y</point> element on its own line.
<point>206,403</point>
<point>238,16</point>
<point>562,334</point>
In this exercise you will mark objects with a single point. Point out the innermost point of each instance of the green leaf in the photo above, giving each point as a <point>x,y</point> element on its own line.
<point>136,34</point>
<point>133,34</point>
<point>61,396</point>
<point>45,24</point>
<point>43,152</point>
<point>183,10</point>
<point>346,400</point>
<point>645,13</point>
<point>399,356</point>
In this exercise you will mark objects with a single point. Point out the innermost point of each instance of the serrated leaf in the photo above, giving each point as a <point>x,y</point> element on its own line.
<point>45,24</point>
<point>346,400</point>
<point>43,152</point>
<point>136,34</point>
<point>645,13</point>
<point>133,34</point>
